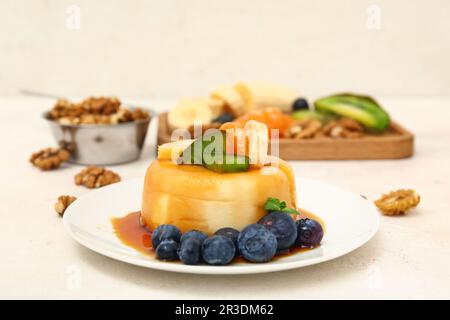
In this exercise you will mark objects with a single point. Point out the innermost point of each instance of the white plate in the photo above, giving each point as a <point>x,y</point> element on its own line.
<point>350,222</point>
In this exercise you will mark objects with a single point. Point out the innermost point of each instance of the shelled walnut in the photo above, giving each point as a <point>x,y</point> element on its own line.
<point>96,177</point>
<point>101,105</point>
<point>95,110</point>
<point>398,202</point>
<point>63,203</point>
<point>343,128</point>
<point>49,158</point>
<point>304,129</point>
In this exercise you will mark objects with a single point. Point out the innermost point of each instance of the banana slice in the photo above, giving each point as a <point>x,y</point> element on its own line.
<point>231,98</point>
<point>258,95</point>
<point>258,142</point>
<point>217,106</point>
<point>189,110</point>
<point>172,150</point>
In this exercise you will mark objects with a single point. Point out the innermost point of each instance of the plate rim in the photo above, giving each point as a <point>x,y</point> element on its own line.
<point>233,269</point>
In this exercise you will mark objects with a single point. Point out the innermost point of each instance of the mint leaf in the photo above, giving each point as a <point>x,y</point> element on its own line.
<point>290,211</point>
<point>272,204</point>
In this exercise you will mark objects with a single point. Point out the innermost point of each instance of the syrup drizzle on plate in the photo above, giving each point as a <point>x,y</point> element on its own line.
<point>130,231</point>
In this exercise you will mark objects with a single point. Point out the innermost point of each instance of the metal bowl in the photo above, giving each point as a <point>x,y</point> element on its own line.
<point>97,144</point>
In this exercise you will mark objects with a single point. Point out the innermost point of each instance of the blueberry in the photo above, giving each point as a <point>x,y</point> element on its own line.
<point>300,104</point>
<point>167,250</point>
<point>257,244</point>
<point>218,250</point>
<point>189,252</point>
<point>231,233</point>
<point>282,226</point>
<point>224,117</point>
<point>200,236</point>
<point>165,232</point>
<point>310,233</point>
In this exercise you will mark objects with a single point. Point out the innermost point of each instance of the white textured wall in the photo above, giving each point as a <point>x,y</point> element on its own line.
<point>169,48</point>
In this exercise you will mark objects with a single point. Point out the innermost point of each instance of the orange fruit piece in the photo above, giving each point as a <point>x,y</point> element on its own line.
<point>274,118</point>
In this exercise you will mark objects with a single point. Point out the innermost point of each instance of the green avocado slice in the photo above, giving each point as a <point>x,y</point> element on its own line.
<point>362,109</point>
<point>209,151</point>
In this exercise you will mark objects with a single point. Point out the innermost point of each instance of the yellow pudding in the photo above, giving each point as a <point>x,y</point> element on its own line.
<point>193,197</point>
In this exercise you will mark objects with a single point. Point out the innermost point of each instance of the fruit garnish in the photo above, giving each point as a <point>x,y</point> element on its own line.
<point>257,134</point>
<point>398,202</point>
<point>257,244</point>
<point>258,94</point>
<point>205,146</point>
<point>312,114</point>
<point>224,117</point>
<point>300,104</point>
<point>165,232</point>
<point>232,99</point>
<point>209,151</point>
<point>309,233</point>
<point>282,226</point>
<point>200,236</point>
<point>218,250</point>
<point>188,111</point>
<point>190,251</point>
<point>231,163</point>
<point>236,141</point>
<point>173,150</point>
<point>167,250</point>
<point>231,233</point>
<point>273,118</point>
<point>274,204</point>
<point>362,109</point>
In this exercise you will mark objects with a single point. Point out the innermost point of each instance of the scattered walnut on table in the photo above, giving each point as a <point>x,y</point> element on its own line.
<point>63,203</point>
<point>96,177</point>
<point>398,202</point>
<point>343,128</point>
<point>49,158</point>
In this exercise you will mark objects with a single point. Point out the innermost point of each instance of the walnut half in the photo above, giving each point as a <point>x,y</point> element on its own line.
<point>398,202</point>
<point>49,158</point>
<point>343,128</point>
<point>96,177</point>
<point>63,203</point>
<point>304,129</point>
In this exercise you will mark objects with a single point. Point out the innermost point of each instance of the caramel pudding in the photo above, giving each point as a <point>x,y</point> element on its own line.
<point>193,197</point>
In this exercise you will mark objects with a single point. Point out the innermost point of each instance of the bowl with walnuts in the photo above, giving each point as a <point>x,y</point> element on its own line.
<point>99,130</point>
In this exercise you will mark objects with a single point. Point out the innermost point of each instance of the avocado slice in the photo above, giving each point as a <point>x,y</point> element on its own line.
<point>312,114</point>
<point>362,109</point>
<point>207,144</point>
<point>209,151</point>
<point>230,163</point>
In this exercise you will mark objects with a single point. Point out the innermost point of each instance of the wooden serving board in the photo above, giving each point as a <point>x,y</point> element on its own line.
<point>396,143</point>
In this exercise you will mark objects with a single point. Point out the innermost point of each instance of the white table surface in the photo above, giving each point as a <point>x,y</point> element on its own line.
<point>408,258</point>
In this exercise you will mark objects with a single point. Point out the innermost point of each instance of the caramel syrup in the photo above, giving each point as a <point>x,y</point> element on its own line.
<point>130,231</point>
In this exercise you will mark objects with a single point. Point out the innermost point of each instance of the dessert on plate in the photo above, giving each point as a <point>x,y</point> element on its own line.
<point>203,198</point>
<point>219,197</point>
